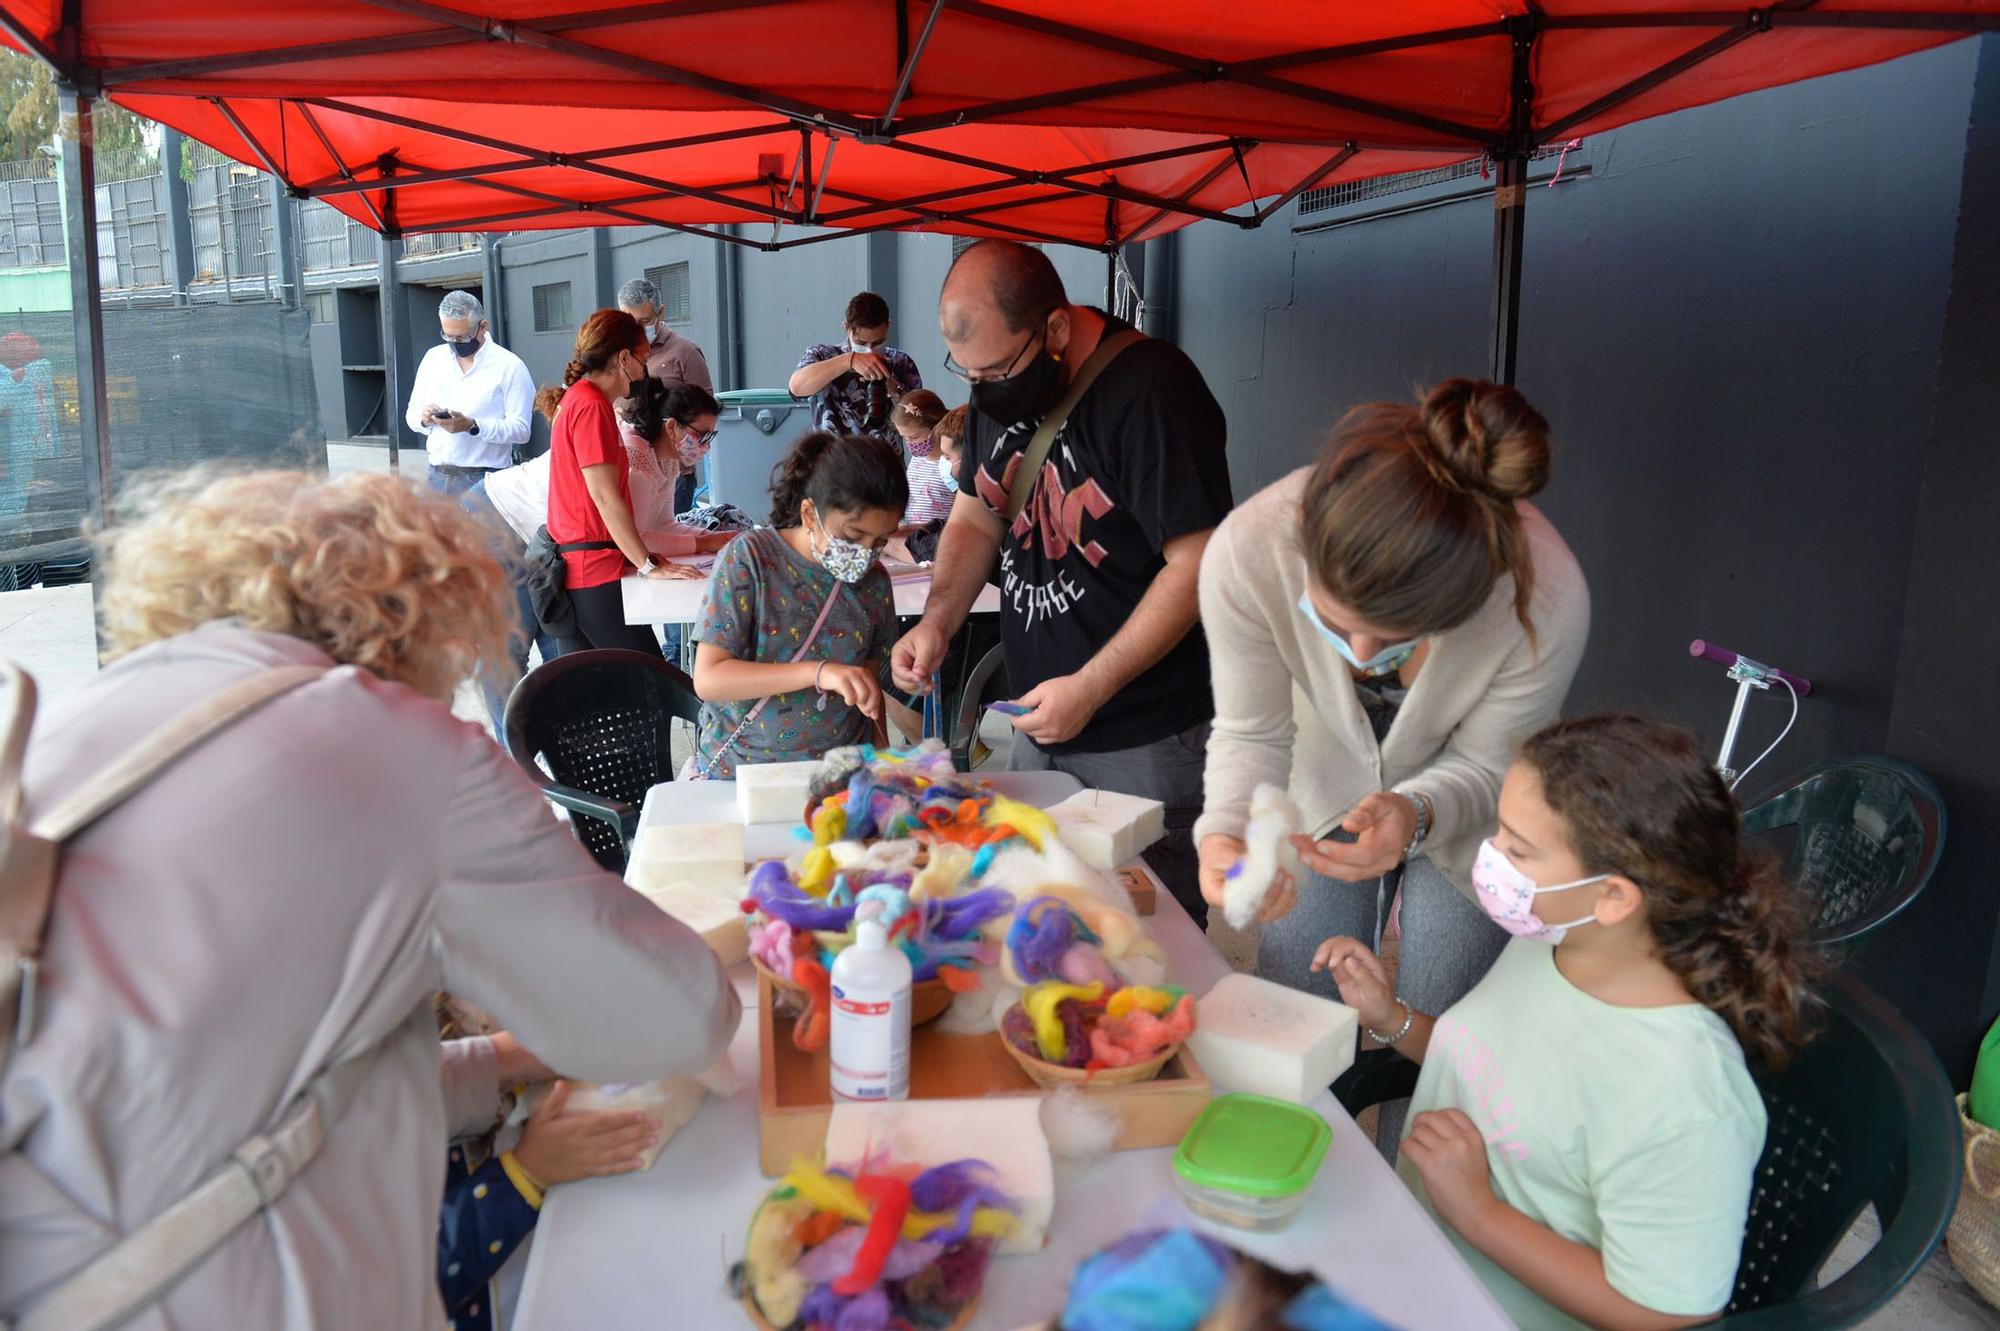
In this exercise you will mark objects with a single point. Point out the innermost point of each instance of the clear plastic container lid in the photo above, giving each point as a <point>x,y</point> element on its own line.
<point>1253,1146</point>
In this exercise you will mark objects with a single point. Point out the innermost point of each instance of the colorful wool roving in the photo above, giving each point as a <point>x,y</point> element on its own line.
<point>872,1249</point>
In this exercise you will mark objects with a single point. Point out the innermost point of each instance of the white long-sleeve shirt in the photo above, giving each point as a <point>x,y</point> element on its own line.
<point>497,392</point>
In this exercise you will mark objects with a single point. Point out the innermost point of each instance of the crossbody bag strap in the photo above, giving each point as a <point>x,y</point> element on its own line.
<point>1037,451</point>
<point>705,767</point>
<point>136,766</point>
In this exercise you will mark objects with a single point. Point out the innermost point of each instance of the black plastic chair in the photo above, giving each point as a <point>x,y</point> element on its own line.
<point>1861,836</point>
<point>1864,1114</point>
<point>602,721</point>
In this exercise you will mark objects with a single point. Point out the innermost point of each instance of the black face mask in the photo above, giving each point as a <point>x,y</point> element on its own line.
<point>1023,396</point>
<point>465,349</point>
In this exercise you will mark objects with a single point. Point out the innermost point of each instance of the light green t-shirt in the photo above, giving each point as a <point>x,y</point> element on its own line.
<point>1633,1130</point>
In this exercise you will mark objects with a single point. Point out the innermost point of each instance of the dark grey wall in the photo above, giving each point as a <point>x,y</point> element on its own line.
<point>1734,322</point>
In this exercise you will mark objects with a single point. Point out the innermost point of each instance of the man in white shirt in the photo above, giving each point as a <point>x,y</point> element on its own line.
<point>472,399</point>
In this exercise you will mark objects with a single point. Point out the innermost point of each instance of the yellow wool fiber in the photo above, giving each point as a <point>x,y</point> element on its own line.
<point>770,1258</point>
<point>1034,826</point>
<point>1039,1002</point>
<point>944,875</point>
<point>816,871</point>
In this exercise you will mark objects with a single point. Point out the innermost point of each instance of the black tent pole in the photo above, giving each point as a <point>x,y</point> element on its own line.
<point>1510,206</point>
<point>79,178</point>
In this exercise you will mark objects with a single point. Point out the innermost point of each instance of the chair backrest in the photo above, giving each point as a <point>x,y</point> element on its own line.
<point>601,721</point>
<point>1859,835</point>
<point>1863,1115</point>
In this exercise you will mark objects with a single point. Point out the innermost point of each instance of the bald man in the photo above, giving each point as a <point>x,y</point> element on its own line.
<point>1098,608</point>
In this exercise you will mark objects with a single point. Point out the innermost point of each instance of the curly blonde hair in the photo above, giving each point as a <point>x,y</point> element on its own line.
<point>363,566</point>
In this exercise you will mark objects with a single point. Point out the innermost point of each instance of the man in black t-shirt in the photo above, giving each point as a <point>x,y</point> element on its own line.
<point>1098,605</point>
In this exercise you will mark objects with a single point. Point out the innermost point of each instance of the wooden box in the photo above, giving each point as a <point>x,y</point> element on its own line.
<point>795,1100</point>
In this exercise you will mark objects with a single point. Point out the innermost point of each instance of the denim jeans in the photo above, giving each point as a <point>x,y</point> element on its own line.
<point>1168,770</point>
<point>455,480</point>
<point>497,683</point>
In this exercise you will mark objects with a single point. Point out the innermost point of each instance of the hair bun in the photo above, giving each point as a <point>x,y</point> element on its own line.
<point>1487,438</point>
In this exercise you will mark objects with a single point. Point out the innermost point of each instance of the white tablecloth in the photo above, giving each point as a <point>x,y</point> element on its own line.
<point>654,1249</point>
<point>678,600</point>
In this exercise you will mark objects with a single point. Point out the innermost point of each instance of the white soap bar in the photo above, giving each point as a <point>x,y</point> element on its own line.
<point>670,1102</point>
<point>774,792</point>
<point>1005,1132</point>
<point>1107,829</point>
<point>1262,1038</point>
<point>717,918</point>
<point>707,855</point>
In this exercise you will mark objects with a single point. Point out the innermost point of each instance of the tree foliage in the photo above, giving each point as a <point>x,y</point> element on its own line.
<point>32,116</point>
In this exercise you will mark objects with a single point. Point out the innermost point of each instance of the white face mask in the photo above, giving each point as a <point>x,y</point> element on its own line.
<point>657,333</point>
<point>949,472</point>
<point>1508,896</point>
<point>866,348</point>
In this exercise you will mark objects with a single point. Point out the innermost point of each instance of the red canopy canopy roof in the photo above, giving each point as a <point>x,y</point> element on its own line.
<point>1095,123</point>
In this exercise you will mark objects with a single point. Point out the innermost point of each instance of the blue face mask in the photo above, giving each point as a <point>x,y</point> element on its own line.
<point>1389,659</point>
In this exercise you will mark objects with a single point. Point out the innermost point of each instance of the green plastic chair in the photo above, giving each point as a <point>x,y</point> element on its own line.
<point>1860,836</point>
<point>602,720</point>
<point>1863,1115</point>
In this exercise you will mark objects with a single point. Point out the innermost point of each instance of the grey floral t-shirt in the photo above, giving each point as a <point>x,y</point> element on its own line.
<point>762,601</point>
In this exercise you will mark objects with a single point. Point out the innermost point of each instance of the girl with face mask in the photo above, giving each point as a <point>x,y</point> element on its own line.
<point>1585,1125</point>
<point>800,615</point>
<point>1385,626</point>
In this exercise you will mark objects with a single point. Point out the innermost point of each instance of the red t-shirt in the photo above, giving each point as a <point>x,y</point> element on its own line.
<point>585,434</point>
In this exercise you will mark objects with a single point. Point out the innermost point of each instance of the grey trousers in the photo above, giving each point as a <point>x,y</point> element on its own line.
<point>1447,946</point>
<point>1168,770</point>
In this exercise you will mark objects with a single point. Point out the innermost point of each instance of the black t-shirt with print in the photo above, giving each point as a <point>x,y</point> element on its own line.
<point>1139,462</point>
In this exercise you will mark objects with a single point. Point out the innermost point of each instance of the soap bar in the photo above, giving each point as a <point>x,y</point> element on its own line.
<point>1005,1132</point>
<point>717,918</point>
<point>774,792</point>
<point>1264,1039</point>
<point>707,855</point>
<point>1107,829</point>
<point>670,1102</point>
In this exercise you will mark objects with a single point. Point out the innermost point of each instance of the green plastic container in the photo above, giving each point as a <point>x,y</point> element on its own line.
<point>1249,1161</point>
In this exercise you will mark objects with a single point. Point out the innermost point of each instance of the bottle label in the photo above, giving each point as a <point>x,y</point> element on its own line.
<point>869,1044</point>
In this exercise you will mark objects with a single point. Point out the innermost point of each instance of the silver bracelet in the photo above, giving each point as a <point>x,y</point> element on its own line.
<point>1409,1020</point>
<point>1426,815</point>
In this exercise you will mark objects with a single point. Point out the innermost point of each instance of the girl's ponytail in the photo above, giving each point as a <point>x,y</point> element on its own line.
<point>549,400</point>
<point>790,477</point>
<point>1642,800</point>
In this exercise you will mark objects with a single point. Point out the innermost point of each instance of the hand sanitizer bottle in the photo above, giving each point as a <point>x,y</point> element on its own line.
<point>869,1045</point>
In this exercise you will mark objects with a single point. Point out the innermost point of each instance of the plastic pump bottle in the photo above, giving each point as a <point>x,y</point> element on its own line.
<point>869,1045</point>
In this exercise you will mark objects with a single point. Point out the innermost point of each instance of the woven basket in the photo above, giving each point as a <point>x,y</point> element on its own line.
<point>928,998</point>
<point>762,1323</point>
<point>1974,1237</point>
<point>1052,1075</point>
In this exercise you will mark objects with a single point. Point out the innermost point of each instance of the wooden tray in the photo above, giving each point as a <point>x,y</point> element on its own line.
<point>794,1098</point>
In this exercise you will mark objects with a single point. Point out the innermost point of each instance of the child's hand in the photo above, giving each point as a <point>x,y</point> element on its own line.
<point>1449,1153</point>
<point>1364,984</point>
<point>858,685</point>
<point>558,1147</point>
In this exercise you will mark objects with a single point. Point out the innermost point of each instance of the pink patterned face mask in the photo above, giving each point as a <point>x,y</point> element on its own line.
<point>693,447</point>
<point>1508,896</point>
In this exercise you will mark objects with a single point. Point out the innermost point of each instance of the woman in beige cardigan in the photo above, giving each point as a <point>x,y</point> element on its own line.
<point>1386,627</point>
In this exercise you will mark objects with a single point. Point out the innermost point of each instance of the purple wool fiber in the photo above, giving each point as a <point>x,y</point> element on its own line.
<point>835,1257</point>
<point>963,1186</point>
<point>1038,938</point>
<point>866,1312</point>
<point>957,917</point>
<point>951,1282</point>
<point>821,1307</point>
<point>1076,1033</point>
<point>772,888</point>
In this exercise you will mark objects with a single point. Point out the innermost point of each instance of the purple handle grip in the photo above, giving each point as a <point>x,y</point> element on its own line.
<point>1722,656</point>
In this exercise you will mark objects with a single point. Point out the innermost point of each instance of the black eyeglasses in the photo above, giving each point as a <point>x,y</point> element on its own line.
<point>986,376</point>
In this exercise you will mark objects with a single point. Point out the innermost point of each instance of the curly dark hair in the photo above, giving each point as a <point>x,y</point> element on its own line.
<point>1641,800</point>
<point>840,473</point>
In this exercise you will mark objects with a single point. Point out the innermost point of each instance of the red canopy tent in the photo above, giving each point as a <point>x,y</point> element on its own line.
<point>1097,125</point>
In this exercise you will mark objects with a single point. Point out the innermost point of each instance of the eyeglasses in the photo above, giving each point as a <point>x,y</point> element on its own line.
<point>703,437</point>
<point>994,374</point>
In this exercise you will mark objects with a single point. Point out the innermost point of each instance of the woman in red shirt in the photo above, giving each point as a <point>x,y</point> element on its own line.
<point>590,495</point>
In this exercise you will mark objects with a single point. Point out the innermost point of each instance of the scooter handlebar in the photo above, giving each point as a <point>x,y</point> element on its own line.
<point>1722,656</point>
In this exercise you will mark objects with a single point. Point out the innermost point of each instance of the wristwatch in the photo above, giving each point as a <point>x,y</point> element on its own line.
<point>1425,814</point>
<point>474,429</point>
<point>647,567</point>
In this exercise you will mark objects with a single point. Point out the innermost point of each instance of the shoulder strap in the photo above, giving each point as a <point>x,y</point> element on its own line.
<point>159,750</point>
<point>1037,451</point>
